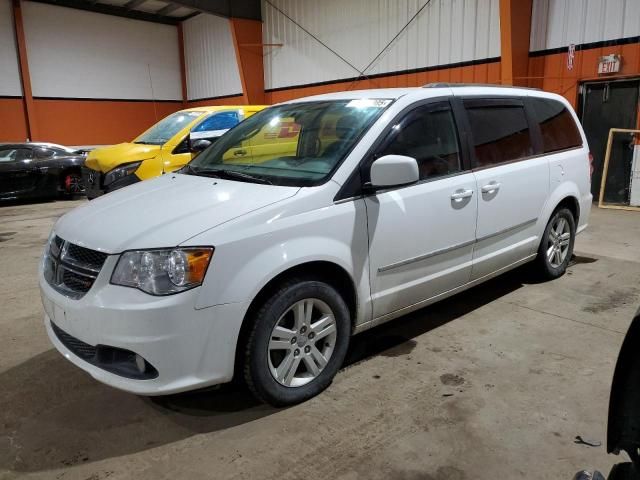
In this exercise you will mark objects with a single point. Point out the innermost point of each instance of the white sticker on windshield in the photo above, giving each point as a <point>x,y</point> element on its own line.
<point>369,103</point>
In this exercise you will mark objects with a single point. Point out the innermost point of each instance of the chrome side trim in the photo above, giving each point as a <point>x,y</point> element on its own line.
<point>402,263</point>
<point>505,230</point>
<point>441,251</point>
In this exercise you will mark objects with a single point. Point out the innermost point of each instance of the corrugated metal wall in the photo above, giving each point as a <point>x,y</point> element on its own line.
<point>445,32</point>
<point>210,58</point>
<point>558,23</point>
<point>78,54</point>
<point>9,70</point>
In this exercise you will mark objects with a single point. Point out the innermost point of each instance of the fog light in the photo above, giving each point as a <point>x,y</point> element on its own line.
<point>141,364</point>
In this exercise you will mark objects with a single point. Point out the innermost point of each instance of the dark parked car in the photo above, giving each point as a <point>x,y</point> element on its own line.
<point>623,432</point>
<point>39,170</point>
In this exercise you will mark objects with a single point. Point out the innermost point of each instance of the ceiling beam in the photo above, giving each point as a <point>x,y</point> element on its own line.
<point>133,4</point>
<point>169,8</point>
<point>114,10</point>
<point>247,9</point>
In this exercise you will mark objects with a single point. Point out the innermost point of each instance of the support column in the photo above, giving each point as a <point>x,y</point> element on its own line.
<point>515,32</point>
<point>183,67</point>
<point>25,79</point>
<point>247,40</point>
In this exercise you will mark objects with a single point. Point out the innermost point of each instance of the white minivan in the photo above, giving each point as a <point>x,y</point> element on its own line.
<point>341,212</point>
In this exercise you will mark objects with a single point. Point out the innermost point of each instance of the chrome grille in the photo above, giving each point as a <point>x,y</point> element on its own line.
<point>72,269</point>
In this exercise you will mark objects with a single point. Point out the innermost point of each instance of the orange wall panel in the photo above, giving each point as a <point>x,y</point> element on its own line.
<point>480,73</point>
<point>13,125</point>
<point>550,72</point>
<point>96,122</point>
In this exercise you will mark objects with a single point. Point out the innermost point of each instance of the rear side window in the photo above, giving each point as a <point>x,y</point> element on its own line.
<point>44,153</point>
<point>557,127</point>
<point>500,132</point>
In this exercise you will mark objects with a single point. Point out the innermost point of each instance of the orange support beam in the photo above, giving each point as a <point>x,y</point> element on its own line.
<point>247,40</point>
<point>183,67</point>
<point>25,79</point>
<point>515,31</point>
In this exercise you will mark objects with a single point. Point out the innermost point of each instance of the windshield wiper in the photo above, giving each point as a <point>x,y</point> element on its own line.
<point>189,170</point>
<point>231,175</point>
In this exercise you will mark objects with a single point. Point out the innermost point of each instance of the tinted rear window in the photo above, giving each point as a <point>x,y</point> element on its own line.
<point>557,127</point>
<point>500,133</point>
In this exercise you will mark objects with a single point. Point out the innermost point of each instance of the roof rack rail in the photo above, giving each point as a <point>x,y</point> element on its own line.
<point>454,85</point>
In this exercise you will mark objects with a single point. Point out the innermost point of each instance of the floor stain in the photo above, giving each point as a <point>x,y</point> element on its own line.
<point>612,300</point>
<point>451,379</point>
<point>4,236</point>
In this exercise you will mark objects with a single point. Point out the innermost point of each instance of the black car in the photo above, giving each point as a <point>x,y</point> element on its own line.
<point>623,431</point>
<point>39,170</point>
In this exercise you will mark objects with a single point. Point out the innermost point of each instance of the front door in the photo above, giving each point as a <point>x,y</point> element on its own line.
<point>606,105</point>
<point>421,236</point>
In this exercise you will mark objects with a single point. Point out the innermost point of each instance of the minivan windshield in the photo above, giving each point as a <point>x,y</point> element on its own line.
<point>296,144</point>
<point>166,128</point>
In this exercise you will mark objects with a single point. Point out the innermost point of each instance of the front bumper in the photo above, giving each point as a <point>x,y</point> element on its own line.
<point>93,181</point>
<point>190,348</point>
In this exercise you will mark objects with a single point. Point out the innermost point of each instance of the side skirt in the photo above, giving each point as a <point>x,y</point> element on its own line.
<point>417,306</point>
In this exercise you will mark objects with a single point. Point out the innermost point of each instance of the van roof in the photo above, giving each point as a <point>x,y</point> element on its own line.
<point>431,88</point>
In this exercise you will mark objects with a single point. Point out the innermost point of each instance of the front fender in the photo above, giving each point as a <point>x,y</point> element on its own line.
<point>244,264</point>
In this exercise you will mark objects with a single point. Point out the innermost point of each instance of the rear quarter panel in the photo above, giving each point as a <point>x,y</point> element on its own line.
<point>569,174</point>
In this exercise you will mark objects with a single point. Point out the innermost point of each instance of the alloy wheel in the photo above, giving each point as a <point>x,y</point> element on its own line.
<point>302,342</point>
<point>558,241</point>
<point>73,184</point>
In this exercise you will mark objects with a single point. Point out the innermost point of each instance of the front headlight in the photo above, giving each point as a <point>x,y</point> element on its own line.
<point>121,172</point>
<point>163,272</point>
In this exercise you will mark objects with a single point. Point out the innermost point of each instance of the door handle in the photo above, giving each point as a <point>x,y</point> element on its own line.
<point>461,195</point>
<point>239,153</point>
<point>491,187</point>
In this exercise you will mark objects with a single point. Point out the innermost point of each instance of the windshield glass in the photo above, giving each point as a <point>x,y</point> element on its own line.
<point>166,128</point>
<point>296,144</point>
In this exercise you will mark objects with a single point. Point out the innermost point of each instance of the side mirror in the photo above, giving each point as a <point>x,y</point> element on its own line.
<point>198,146</point>
<point>394,170</point>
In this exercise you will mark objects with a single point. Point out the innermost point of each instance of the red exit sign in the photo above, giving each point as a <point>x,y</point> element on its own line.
<point>609,64</point>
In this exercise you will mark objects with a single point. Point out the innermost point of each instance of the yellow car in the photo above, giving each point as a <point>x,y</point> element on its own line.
<point>167,146</point>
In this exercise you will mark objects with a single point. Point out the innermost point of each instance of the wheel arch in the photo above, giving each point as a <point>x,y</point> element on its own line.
<point>566,194</point>
<point>570,202</point>
<point>327,271</point>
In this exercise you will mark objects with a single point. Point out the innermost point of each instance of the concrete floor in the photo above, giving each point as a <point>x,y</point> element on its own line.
<point>493,383</point>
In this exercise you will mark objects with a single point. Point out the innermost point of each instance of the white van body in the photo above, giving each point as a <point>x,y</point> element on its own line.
<point>400,248</point>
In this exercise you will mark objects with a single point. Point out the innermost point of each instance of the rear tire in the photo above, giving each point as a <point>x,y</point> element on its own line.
<point>297,342</point>
<point>556,247</point>
<point>72,184</point>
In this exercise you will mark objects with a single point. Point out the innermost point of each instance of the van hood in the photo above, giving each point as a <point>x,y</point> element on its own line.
<point>107,158</point>
<point>163,212</point>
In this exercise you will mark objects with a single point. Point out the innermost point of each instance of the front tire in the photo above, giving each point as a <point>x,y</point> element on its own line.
<point>297,343</point>
<point>556,247</point>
